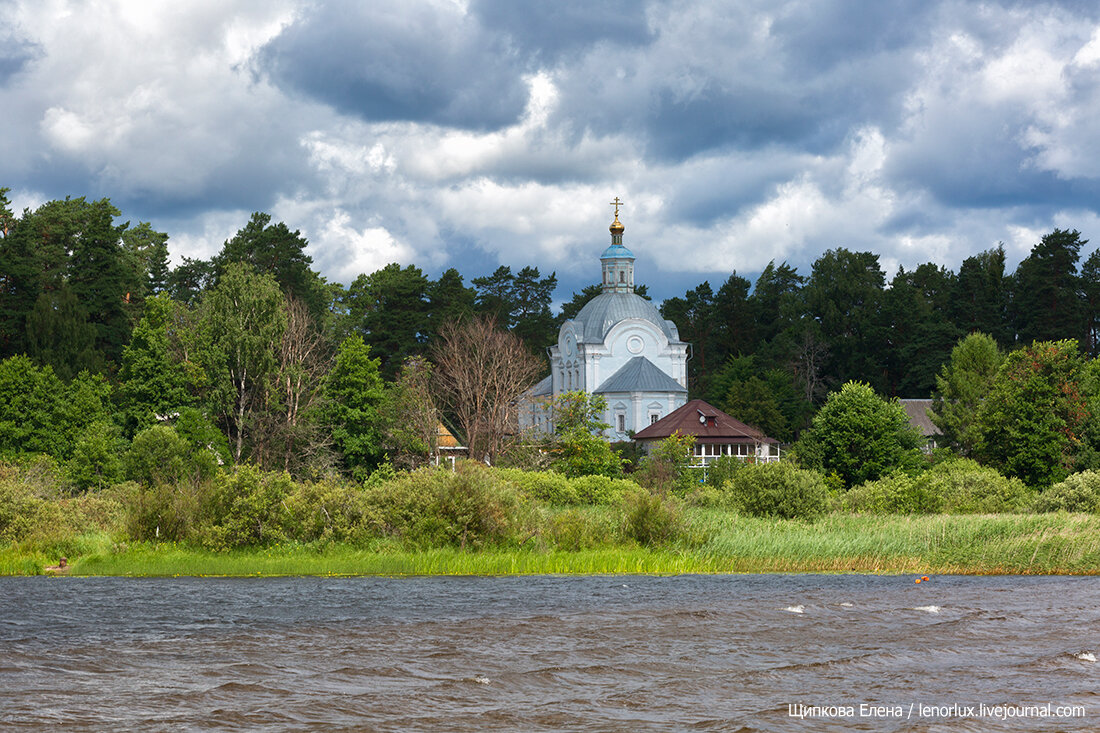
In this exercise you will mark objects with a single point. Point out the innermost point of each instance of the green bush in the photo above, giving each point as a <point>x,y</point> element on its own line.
<point>1079,492</point>
<point>778,490</point>
<point>472,506</point>
<point>967,487</point>
<point>329,511</point>
<point>601,489</point>
<point>162,455</point>
<point>246,508</point>
<point>547,486</point>
<point>652,519</point>
<point>165,512</point>
<point>896,494</point>
<point>20,510</point>
<point>721,470</point>
<point>961,486</point>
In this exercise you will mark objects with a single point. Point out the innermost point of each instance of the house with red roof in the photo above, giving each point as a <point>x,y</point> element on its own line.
<point>716,434</point>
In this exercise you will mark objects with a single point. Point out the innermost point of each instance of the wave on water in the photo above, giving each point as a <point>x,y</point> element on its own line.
<point>928,609</point>
<point>796,609</point>
<point>1085,656</point>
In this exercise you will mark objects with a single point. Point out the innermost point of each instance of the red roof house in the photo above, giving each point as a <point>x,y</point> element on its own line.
<point>716,434</point>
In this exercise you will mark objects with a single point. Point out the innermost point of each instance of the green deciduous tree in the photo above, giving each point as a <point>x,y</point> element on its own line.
<point>860,436</point>
<point>1031,422</point>
<point>410,417</point>
<point>578,447</point>
<point>41,414</point>
<point>242,320</point>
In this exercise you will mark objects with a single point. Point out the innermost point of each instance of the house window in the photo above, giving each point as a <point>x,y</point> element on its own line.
<point>622,423</point>
<point>654,418</point>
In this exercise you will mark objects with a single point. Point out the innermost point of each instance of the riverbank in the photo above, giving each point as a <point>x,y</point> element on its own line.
<point>723,542</point>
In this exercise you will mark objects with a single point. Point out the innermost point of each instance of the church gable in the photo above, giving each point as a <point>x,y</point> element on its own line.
<point>640,375</point>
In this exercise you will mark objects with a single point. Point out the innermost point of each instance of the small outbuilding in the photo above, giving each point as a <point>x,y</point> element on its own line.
<point>918,411</point>
<point>716,434</point>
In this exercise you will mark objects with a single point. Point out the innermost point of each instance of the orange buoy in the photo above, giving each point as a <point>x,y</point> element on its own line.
<point>918,580</point>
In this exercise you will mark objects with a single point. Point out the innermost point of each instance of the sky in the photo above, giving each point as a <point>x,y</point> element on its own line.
<point>479,133</point>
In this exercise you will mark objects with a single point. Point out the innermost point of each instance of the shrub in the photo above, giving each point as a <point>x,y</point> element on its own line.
<point>331,511</point>
<point>961,486</point>
<point>652,519</point>
<point>469,507</point>
<point>896,494</point>
<point>246,507</point>
<point>778,490</point>
<point>162,455</point>
<point>722,470</point>
<point>600,489</point>
<point>547,486</point>
<point>165,512</point>
<point>966,487</point>
<point>20,510</point>
<point>1079,492</point>
<point>666,469</point>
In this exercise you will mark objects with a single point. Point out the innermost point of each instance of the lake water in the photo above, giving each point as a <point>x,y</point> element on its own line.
<point>623,653</point>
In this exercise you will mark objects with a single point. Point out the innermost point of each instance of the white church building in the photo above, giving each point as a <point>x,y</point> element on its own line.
<point>619,347</point>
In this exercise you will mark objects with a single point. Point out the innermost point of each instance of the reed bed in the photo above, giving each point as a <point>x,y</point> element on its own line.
<point>838,543</point>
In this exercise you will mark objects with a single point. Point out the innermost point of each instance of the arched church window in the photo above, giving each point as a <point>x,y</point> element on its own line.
<point>622,276</point>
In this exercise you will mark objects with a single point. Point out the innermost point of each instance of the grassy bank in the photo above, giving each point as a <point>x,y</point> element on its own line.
<point>724,543</point>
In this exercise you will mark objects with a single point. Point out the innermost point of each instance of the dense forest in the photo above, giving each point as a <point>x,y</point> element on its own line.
<point>255,352</point>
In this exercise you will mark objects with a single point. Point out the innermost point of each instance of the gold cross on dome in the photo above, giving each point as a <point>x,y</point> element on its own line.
<point>616,203</point>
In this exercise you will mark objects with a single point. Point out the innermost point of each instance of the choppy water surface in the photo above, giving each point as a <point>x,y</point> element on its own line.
<point>548,653</point>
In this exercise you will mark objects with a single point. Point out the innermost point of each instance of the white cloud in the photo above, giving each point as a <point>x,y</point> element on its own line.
<point>349,251</point>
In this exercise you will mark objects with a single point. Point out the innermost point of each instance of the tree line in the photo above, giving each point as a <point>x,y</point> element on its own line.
<point>290,370</point>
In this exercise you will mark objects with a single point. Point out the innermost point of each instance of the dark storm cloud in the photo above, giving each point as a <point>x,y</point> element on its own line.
<point>397,61</point>
<point>550,31</point>
<point>823,35</point>
<point>749,79</point>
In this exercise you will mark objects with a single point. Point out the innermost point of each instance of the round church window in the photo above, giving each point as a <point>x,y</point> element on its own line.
<point>635,344</point>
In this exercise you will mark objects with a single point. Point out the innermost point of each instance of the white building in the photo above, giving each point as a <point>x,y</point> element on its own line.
<point>618,346</point>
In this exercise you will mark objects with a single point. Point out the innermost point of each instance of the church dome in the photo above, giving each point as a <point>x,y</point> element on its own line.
<point>616,251</point>
<point>600,314</point>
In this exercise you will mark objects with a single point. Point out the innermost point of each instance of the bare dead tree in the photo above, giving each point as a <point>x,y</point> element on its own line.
<point>481,371</point>
<point>285,434</point>
<point>809,360</point>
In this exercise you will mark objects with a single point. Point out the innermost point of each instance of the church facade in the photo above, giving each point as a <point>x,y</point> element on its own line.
<point>617,346</point>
